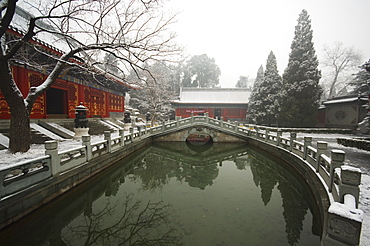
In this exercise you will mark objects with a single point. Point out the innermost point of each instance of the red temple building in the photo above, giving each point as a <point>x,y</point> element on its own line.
<point>228,103</point>
<point>102,94</point>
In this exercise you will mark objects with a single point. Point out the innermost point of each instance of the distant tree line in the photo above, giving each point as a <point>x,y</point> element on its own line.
<point>293,99</point>
<point>290,100</point>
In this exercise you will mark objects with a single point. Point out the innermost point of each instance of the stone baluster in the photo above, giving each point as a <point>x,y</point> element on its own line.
<point>131,130</point>
<point>343,224</point>
<point>86,141</point>
<point>293,136</point>
<point>51,149</point>
<point>307,142</point>
<point>163,125</point>
<point>256,128</point>
<point>279,133</point>
<point>221,122</point>
<point>321,149</point>
<point>349,183</point>
<point>121,133</point>
<point>337,159</point>
<point>207,119</point>
<point>107,136</point>
<point>267,132</point>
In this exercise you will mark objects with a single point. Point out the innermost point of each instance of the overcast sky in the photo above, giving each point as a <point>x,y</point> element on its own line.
<point>239,34</point>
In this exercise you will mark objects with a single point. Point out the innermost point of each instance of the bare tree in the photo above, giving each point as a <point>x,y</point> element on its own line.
<point>339,60</point>
<point>136,224</point>
<point>154,93</point>
<point>133,31</point>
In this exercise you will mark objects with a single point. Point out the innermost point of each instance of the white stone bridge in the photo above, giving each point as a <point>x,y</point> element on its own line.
<point>27,185</point>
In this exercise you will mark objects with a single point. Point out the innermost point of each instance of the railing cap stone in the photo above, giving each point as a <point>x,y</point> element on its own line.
<point>337,155</point>
<point>50,145</point>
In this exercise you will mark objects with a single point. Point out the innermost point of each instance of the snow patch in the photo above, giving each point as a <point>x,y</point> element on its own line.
<point>346,212</point>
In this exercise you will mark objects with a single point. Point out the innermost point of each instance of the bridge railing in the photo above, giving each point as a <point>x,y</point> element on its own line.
<point>25,174</point>
<point>341,181</point>
<point>14,178</point>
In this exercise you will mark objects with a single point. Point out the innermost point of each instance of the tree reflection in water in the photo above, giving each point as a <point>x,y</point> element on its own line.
<point>201,172</point>
<point>137,224</point>
<point>226,195</point>
<point>267,174</point>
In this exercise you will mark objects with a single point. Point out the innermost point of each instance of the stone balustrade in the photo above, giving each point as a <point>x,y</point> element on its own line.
<point>341,181</point>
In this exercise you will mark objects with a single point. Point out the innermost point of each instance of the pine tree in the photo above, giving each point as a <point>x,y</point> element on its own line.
<point>268,92</point>
<point>253,103</point>
<point>300,95</point>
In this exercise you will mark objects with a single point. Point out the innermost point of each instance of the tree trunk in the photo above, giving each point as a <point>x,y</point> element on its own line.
<point>19,132</point>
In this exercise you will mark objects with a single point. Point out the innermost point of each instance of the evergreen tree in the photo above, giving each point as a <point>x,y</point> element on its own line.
<point>253,102</point>
<point>268,92</point>
<point>359,82</point>
<point>300,94</point>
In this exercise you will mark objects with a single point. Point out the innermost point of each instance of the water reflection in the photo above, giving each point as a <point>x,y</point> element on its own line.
<point>169,194</point>
<point>134,224</point>
<point>266,174</point>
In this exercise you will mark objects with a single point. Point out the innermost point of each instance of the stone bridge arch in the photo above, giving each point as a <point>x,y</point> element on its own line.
<point>181,135</point>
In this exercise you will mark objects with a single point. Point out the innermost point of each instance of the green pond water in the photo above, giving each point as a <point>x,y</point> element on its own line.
<point>170,194</point>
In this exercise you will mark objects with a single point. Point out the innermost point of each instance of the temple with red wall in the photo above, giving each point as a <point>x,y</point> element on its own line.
<point>228,103</point>
<point>103,99</point>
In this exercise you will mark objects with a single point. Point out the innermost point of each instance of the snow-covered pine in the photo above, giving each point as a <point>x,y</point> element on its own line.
<point>268,93</point>
<point>253,103</point>
<point>300,95</point>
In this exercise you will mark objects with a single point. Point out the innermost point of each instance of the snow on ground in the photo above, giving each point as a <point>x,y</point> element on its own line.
<point>38,150</point>
<point>354,157</point>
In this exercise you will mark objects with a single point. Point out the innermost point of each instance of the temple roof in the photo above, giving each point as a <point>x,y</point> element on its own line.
<point>190,95</point>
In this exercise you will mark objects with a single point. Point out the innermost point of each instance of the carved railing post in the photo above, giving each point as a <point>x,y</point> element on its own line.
<point>307,142</point>
<point>349,182</point>
<point>257,133</point>
<point>279,133</point>
<point>343,226</point>
<point>267,135</point>
<point>163,125</point>
<point>321,149</point>
<point>293,136</point>
<point>207,119</point>
<point>337,159</point>
<point>86,141</point>
<point>221,122</point>
<point>122,135</point>
<point>51,149</point>
<point>108,137</point>
<point>131,130</point>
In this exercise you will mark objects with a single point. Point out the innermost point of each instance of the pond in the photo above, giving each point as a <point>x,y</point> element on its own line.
<point>170,194</point>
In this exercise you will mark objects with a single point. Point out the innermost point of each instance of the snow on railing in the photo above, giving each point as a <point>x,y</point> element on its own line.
<point>342,182</point>
<point>34,171</point>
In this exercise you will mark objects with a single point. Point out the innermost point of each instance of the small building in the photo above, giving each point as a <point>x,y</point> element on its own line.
<point>228,103</point>
<point>344,112</point>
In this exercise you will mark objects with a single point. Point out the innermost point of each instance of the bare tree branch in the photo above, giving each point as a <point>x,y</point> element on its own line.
<point>339,59</point>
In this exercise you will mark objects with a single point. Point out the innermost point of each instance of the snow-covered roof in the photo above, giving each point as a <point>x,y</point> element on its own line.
<point>213,96</point>
<point>52,39</point>
<point>344,100</point>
